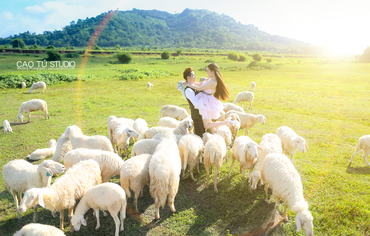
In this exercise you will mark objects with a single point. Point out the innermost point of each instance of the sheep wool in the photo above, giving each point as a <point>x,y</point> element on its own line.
<point>45,152</point>
<point>38,85</point>
<point>145,146</point>
<point>39,230</point>
<point>247,120</point>
<point>7,127</point>
<point>245,96</point>
<point>290,141</point>
<point>63,146</point>
<point>173,111</point>
<point>32,105</point>
<point>364,145</point>
<point>191,149</point>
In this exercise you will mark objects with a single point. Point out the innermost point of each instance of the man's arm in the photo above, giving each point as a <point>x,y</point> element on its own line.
<point>189,93</point>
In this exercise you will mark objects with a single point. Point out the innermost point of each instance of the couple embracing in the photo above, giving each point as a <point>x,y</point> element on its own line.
<point>204,99</point>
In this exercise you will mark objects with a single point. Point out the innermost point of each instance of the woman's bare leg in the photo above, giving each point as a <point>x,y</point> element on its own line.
<point>208,124</point>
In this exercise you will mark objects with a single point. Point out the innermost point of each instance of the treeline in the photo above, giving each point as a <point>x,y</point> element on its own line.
<point>152,28</point>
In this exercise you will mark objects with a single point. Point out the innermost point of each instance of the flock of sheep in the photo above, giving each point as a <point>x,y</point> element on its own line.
<point>159,155</point>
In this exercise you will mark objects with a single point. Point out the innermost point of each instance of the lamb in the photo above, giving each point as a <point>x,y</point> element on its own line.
<point>247,120</point>
<point>245,151</point>
<point>140,125</point>
<point>145,146</point>
<point>23,84</point>
<point>20,175</point>
<point>135,174</point>
<point>363,144</point>
<point>121,136</point>
<point>63,146</point>
<point>234,126</point>
<point>149,86</point>
<point>164,172</point>
<point>65,191</point>
<point>110,163</point>
<point>38,85</point>
<point>78,140</point>
<point>173,111</point>
<point>7,127</point>
<point>39,230</point>
<point>271,143</point>
<point>245,96</point>
<point>214,152</point>
<point>253,86</point>
<point>232,107</point>
<point>290,141</point>
<point>184,127</point>
<point>45,152</point>
<point>191,149</point>
<point>168,122</point>
<point>32,105</point>
<point>280,174</point>
<point>107,196</point>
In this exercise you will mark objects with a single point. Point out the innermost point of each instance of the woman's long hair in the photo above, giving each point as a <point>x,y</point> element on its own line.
<point>222,93</point>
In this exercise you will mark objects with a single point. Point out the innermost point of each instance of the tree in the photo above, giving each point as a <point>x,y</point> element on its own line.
<point>124,58</point>
<point>257,57</point>
<point>50,47</point>
<point>165,55</point>
<point>18,43</point>
<point>365,57</point>
<point>233,56</point>
<point>53,56</point>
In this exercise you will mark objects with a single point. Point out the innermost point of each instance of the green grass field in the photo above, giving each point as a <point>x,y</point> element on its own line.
<point>326,102</point>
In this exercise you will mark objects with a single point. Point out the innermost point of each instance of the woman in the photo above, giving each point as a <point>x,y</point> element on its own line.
<point>209,105</point>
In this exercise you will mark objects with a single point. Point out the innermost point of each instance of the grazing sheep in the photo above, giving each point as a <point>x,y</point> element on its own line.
<point>39,230</point>
<point>7,127</point>
<point>363,144</point>
<point>32,105</point>
<point>149,86</point>
<point>253,86</point>
<point>271,143</point>
<point>65,191</point>
<point>78,140</point>
<point>23,84</point>
<point>140,125</point>
<point>110,163</point>
<point>214,152</point>
<point>121,136</point>
<point>168,122</point>
<point>63,146</point>
<point>38,85</point>
<point>184,127</point>
<point>232,107</point>
<point>285,182</point>
<point>164,172</point>
<point>191,149</point>
<point>107,196</point>
<point>145,146</point>
<point>45,152</point>
<point>245,96</point>
<point>173,111</point>
<point>245,151</point>
<point>290,141</point>
<point>247,120</point>
<point>134,175</point>
<point>20,175</point>
<point>113,121</point>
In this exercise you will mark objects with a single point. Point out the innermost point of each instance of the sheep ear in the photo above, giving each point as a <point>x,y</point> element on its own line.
<point>294,143</point>
<point>83,222</point>
<point>298,223</point>
<point>305,145</point>
<point>66,132</point>
<point>48,172</point>
<point>41,200</point>
<point>259,147</point>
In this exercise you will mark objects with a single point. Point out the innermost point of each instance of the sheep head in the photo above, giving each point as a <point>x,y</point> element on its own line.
<point>20,117</point>
<point>262,119</point>
<point>304,219</point>
<point>31,198</point>
<point>300,144</point>
<point>52,143</point>
<point>76,222</point>
<point>254,177</point>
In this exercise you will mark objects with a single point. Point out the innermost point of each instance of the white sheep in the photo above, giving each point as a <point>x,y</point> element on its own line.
<point>63,146</point>
<point>234,126</point>
<point>214,151</point>
<point>232,107</point>
<point>38,85</point>
<point>245,151</point>
<point>225,132</point>
<point>135,174</point>
<point>247,120</point>
<point>271,143</point>
<point>110,163</point>
<point>168,122</point>
<point>245,96</point>
<point>363,144</point>
<point>113,121</point>
<point>253,86</point>
<point>290,141</point>
<point>65,191</point>
<point>173,111</point>
<point>6,126</point>
<point>191,150</point>
<point>33,229</point>
<point>23,84</point>
<point>164,172</point>
<point>159,135</point>
<point>121,136</point>
<point>44,152</point>
<point>20,175</point>
<point>221,118</point>
<point>149,86</point>
<point>78,140</point>
<point>106,196</point>
<point>285,182</point>
<point>32,105</point>
<point>184,127</point>
<point>145,146</point>
<point>140,125</point>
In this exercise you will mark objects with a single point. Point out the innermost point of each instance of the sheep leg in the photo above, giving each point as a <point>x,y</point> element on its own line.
<point>156,206</point>
<point>198,167</point>
<point>104,213</point>
<point>232,163</point>
<point>171,201</point>
<point>29,117</point>
<point>53,214</point>
<point>207,169</point>
<point>276,208</point>
<point>122,216</point>
<point>191,172</point>
<point>183,173</point>
<point>97,218</point>
<point>142,191</point>
<point>135,201</point>
<point>70,214</point>
<point>243,176</point>
<point>266,192</point>
<point>291,157</point>
<point>16,203</point>
<point>354,154</point>
<point>365,158</point>
<point>215,180</point>
<point>285,217</point>
<point>246,133</point>
<point>61,226</point>
<point>116,220</point>
<point>35,213</point>
<point>20,196</point>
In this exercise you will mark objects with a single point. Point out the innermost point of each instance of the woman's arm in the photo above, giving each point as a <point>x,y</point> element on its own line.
<point>209,85</point>
<point>198,83</point>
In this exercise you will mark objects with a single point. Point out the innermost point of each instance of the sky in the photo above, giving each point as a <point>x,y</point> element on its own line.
<point>342,26</point>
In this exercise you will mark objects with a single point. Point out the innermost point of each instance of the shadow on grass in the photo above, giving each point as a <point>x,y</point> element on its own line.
<point>365,170</point>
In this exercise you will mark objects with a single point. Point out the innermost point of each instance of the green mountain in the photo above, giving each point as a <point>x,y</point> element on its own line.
<point>149,28</point>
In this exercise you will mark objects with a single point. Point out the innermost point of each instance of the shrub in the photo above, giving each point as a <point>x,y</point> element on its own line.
<point>139,75</point>
<point>50,47</point>
<point>268,59</point>
<point>96,47</point>
<point>242,57</point>
<point>118,46</point>
<point>179,51</point>
<point>257,57</point>
<point>72,55</point>
<point>233,56</point>
<point>33,46</point>
<point>18,43</point>
<point>53,56</point>
<point>124,58</point>
<point>165,55</point>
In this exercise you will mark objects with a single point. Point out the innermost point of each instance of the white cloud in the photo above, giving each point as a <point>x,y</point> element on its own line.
<point>6,15</point>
